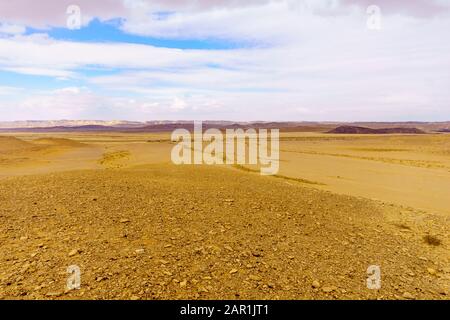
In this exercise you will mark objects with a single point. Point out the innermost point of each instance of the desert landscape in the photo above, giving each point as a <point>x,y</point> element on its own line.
<point>224,159</point>
<point>140,227</point>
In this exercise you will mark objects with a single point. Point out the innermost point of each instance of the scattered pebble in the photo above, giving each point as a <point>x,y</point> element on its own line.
<point>407,295</point>
<point>328,289</point>
<point>431,271</point>
<point>139,251</point>
<point>73,252</point>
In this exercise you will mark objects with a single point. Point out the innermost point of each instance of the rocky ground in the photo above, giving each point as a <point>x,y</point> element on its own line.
<point>167,232</point>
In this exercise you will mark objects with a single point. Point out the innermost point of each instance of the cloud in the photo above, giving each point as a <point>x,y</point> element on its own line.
<point>314,62</point>
<point>53,13</point>
<point>178,104</point>
<point>7,90</point>
<point>62,74</point>
<point>195,18</point>
<point>59,104</point>
<point>238,23</point>
<point>30,55</point>
<point>81,103</point>
<point>11,29</point>
<point>416,8</point>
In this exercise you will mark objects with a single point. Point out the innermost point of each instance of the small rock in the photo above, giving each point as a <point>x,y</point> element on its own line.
<point>328,289</point>
<point>53,294</point>
<point>139,251</point>
<point>254,277</point>
<point>233,271</point>
<point>316,284</point>
<point>407,295</point>
<point>431,271</point>
<point>73,252</point>
<point>183,283</point>
<point>124,220</point>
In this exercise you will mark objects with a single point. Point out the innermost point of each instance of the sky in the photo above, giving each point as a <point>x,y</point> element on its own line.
<point>269,60</point>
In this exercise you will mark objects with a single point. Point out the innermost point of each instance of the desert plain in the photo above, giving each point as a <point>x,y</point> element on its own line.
<point>140,227</point>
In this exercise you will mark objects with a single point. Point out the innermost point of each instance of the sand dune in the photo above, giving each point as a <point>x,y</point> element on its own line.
<point>44,155</point>
<point>10,144</point>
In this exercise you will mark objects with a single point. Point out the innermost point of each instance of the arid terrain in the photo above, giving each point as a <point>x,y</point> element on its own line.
<point>140,227</point>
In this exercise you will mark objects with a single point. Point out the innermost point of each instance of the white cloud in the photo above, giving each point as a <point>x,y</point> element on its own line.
<point>178,104</point>
<point>69,90</point>
<point>64,74</point>
<point>241,23</point>
<point>11,29</point>
<point>311,62</point>
<point>7,90</point>
<point>50,13</point>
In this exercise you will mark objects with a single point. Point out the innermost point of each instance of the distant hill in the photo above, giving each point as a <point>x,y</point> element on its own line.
<point>168,126</point>
<point>13,144</point>
<point>65,123</point>
<point>425,126</point>
<point>87,128</point>
<point>364,130</point>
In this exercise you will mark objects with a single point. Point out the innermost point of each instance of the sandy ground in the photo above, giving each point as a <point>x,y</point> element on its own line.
<point>406,170</point>
<point>141,228</point>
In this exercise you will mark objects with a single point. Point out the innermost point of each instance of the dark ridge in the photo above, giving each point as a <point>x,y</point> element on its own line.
<point>63,129</point>
<point>168,126</point>
<point>364,130</point>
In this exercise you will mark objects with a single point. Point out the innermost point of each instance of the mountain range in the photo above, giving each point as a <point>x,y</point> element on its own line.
<point>165,126</point>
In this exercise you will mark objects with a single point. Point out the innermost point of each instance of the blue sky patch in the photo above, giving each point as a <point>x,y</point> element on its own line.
<point>110,31</point>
